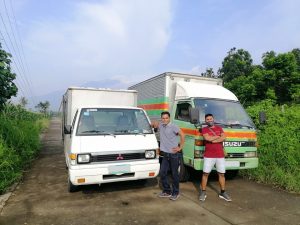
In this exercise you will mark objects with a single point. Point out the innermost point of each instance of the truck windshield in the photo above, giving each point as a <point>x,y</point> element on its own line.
<point>226,113</point>
<point>113,121</point>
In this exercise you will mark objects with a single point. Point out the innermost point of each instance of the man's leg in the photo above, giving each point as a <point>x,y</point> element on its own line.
<point>207,167</point>
<point>204,181</point>
<point>220,164</point>
<point>174,161</point>
<point>222,181</point>
<point>164,174</point>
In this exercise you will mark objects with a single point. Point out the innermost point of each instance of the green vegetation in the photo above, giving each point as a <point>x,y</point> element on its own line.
<point>279,146</point>
<point>7,86</point>
<point>19,142</point>
<point>278,78</point>
<point>19,129</point>
<point>43,107</point>
<point>273,87</point>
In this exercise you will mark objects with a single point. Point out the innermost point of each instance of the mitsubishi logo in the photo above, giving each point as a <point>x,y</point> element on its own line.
<point>120,157</point>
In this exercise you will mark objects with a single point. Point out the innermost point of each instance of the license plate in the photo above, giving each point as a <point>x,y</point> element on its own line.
<point>232,164</point>
<point>119,169</point>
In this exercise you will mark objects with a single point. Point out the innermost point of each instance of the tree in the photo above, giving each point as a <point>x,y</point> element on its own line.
<point>23,102</point>
<point>7,86</point>
<point>282,75</point>
<point>209,73</point>
<point>277,79</point>
<point>296,52</point>
<point>236,63</point>
<point>43,107</point>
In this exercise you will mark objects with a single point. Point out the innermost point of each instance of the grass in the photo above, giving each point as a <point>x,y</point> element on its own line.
<point>279,146</point>
<point>19,142</point>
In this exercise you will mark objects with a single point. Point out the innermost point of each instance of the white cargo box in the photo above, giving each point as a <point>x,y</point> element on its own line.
<point>79,97</point>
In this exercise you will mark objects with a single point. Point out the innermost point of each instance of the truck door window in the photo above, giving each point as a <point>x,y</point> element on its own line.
<point>182,112</point>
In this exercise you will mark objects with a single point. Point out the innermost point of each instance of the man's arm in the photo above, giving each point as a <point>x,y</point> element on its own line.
<point>181,134</point>
<point>220,138</point>
<point>207,137</point>
<point>179,148</point>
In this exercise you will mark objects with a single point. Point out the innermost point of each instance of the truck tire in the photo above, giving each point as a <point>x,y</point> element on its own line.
<point>183,171</point>
<point>72,187</point>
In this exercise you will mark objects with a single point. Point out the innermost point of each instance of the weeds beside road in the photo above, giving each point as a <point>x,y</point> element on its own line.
<point>279,146</point>
<point>19,142</point>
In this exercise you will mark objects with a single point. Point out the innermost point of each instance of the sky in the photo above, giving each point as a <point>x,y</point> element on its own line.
<point>117,43</point>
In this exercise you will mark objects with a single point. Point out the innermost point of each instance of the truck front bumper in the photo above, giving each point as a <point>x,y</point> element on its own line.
<point>113,172</point>
<point>232,164</point>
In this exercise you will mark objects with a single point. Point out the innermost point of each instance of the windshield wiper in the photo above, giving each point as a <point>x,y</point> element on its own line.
<point>122,131</point>
<point>223,124</point>
<point>90,131</point>
<point>98,132</point>
<point>240,125</point>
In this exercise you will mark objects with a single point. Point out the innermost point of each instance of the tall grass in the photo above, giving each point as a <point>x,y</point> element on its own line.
<point>279,146</point>
<point>19,142</point>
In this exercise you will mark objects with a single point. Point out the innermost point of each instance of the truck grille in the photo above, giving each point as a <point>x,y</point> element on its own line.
<point>117,157</point>
<point>235,155</point>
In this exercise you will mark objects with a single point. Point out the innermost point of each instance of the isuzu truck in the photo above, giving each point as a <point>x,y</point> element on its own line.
<point>106,137</point>
<point>181,94</point>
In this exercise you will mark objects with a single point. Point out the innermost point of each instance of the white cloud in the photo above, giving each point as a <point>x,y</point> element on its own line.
<point>112,38</point>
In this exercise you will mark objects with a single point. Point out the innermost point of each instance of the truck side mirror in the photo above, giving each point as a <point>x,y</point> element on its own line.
<point>262,117</point>
<point>67,129</point>
<point>194,115</point>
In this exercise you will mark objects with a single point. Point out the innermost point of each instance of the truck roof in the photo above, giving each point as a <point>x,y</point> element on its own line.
<point>108,107</point>
<point>189,90</point>
<point>181,75</point>
<point>99,89</point>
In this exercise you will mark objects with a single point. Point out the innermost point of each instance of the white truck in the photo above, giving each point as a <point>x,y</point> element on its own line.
<point>182,94</point>
<point>106,137</point>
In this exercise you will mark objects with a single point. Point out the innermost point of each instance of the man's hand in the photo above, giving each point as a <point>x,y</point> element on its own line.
<point>176,149</point>
<point>155,124</point>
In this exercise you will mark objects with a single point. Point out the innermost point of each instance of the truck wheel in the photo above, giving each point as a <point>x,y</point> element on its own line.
<point>183,171</point>
<point>231,174</point>
<point>72,187</point>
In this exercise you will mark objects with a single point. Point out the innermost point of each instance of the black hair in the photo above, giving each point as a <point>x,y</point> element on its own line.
<point>209,114</point>
<point>165,113</point>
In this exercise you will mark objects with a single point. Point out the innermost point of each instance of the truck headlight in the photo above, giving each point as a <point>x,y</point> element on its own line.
<point>83,158</point>
<point>150,154</point>
<point>198,154</point>
<point>250,154</point>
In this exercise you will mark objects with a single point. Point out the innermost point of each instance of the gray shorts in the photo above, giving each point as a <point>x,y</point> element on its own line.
<point>209,163</point>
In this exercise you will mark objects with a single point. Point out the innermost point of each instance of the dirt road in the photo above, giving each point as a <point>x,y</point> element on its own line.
<point>42,198</point>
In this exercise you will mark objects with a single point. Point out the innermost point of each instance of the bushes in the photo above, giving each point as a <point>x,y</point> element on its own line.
<point>19,142</point>
<point>9,166</point>
<point>279,146</point>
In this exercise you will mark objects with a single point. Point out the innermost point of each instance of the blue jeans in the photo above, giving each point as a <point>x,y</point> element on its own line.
<point>170,162</point>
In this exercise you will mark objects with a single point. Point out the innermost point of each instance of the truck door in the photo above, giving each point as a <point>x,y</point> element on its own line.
<point>182,119</point>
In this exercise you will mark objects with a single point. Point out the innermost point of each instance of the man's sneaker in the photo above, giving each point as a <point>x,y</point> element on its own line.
<point>202,196</point>
<point>164,195</point>
<point>174,197</point>
<point>225,196</point>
